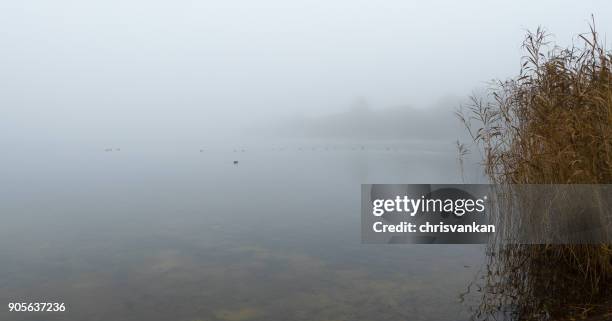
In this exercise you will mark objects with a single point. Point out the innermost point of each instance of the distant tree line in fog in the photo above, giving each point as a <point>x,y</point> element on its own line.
<point>437,122</point>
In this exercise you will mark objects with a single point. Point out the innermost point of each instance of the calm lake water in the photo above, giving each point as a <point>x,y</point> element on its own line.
<point>175,233</point>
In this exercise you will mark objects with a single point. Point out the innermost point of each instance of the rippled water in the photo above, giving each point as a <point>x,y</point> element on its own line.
<point>183,234</point>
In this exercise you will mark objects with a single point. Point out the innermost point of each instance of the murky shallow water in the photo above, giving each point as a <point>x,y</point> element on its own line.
<point>179,234</point>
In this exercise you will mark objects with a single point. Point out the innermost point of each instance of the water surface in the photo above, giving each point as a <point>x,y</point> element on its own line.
<point>182,233</point>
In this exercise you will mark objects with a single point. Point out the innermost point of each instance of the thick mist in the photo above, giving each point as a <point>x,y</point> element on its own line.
<point>131,71</point>
<point>203,160</point>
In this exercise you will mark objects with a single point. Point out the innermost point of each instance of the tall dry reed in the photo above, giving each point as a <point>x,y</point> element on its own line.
<point>549,125</point>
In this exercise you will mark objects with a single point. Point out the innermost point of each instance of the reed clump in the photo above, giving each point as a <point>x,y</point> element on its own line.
<point>549,125</point>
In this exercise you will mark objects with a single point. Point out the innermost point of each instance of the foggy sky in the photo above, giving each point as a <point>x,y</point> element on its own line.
<point>142,69</point>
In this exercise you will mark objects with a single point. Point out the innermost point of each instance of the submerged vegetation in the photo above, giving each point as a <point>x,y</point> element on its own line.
<point>549,125</point>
